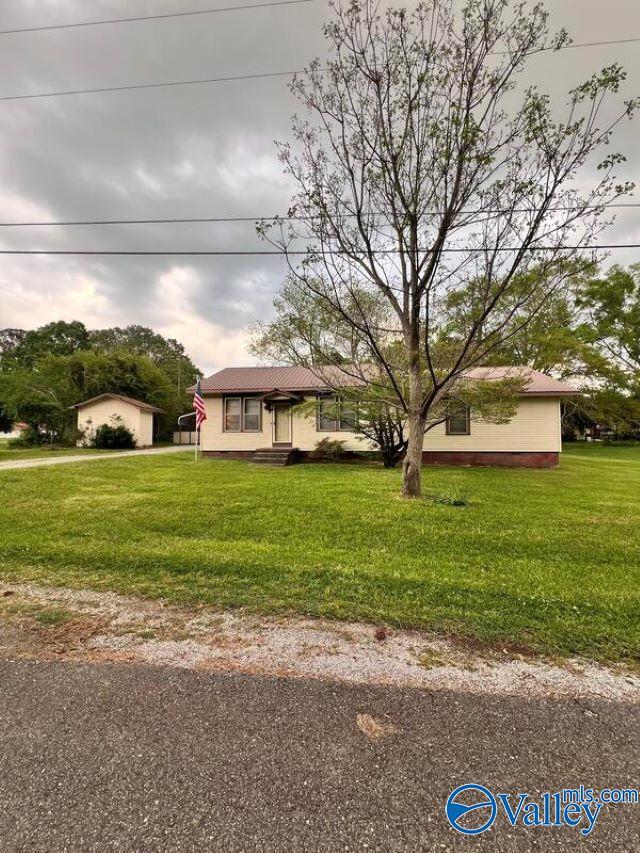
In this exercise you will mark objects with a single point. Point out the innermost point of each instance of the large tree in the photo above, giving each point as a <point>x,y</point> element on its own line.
<point>9,340</point>
<point>423,161</point>
<point>25,348</point>
<point>611,302</point>
<point>168,353</point>
<point>557,340</point>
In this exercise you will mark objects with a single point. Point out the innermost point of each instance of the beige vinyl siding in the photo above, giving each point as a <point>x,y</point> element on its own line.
<point>535,427</point>
<point>140,423</point>
<point>213,436</point>
<point>304,434</point>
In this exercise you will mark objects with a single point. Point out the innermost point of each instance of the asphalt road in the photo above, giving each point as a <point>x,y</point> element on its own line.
<point>116,757</point>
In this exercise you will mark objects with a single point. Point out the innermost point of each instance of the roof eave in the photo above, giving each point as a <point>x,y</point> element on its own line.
<point>293,391</point>
<point>568,393</point>
<point>143,407</point>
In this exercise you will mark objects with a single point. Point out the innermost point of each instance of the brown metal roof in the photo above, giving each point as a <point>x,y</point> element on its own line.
<point>539,383</point>
<point>147,407</point>
<point>263,379</point>
<point>238,380</point>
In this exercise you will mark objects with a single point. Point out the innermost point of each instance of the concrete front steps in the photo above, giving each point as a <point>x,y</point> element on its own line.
<point>276,456</point>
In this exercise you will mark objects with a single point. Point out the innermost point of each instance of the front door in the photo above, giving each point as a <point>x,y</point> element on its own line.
<point>282,423</point>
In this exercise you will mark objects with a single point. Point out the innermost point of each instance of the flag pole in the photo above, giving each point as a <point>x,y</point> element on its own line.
<point>201,415</point>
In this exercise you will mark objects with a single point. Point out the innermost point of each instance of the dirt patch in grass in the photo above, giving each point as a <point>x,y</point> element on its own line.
<point>50,623</point>
<point>29,629</point>
<point>53,618</point>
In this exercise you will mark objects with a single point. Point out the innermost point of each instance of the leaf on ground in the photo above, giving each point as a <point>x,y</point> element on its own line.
<point>374,729</point>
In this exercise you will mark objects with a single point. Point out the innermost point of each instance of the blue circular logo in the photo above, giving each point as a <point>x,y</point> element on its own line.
<point>461,805</point>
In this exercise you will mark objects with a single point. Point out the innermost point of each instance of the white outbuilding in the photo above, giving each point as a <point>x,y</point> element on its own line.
<point>112,409</point>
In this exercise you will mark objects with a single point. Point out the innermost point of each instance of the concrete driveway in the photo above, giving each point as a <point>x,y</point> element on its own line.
<point>90,457</point>
<point>133,758</point>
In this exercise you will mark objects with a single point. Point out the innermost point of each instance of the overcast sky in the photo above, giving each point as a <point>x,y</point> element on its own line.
<point>188,151</point>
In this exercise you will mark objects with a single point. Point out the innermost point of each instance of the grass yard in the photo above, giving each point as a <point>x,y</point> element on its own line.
<point>546,559</point>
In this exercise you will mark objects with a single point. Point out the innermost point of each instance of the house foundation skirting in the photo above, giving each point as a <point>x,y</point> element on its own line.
<point>229,454</point>
<point>501,459</point>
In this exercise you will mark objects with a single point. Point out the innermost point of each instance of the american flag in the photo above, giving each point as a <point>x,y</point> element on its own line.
<point>198,405</point>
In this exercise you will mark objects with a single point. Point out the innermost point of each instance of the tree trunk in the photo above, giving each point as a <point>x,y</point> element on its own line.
<point>389,457</point>
<point>412,465</point>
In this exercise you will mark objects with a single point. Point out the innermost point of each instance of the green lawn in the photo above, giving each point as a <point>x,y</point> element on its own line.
<point>548,559</point>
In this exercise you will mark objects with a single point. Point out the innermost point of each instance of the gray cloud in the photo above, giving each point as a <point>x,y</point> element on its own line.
<point>185,151</point>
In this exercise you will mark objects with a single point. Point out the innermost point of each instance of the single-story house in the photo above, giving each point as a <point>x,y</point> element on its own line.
<point>252,409</point>
<point>136,415</point>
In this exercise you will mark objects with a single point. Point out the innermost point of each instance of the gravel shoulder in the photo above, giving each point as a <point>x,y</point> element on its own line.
<point>88,457</point>
<point>47,623</point>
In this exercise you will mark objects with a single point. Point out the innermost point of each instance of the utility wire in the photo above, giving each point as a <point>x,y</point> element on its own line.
<point>218,9</point>
<point>232,219</point>
<point>221,253</point>
<point>128,88</point>
<point>188,14</point>
<point>592,44</point>
<point>238,77</point>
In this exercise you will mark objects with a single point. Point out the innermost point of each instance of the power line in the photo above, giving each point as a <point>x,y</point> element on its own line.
<point>232,219</point>
<point>239,77</point>
<point>569,46</point>
<point>188,14</point>
<point>280,252</point>
<point>592,44</point>
<point>128,88</point>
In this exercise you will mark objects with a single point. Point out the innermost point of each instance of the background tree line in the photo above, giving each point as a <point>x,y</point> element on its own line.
<point>44,371</point>
<point>587,332</point>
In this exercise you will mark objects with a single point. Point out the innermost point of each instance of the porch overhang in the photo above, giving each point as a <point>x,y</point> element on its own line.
<point>277,396</point>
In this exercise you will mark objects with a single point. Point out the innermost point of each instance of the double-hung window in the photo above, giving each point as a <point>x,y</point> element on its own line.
<point>232,414</point>
<point>335,415</point>
<point>241,414</point>
<point>458,419</point>
<point>250,414</point>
